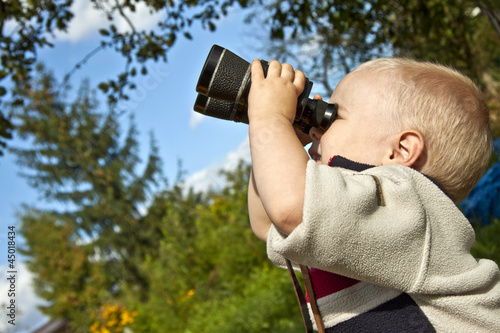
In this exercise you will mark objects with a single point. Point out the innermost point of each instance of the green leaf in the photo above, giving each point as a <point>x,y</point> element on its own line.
<point>104,87</point>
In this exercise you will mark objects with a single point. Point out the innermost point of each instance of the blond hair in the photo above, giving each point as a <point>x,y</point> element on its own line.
<point>448,109</point>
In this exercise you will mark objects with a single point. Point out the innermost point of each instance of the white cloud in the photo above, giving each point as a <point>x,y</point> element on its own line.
<point>210,178</point>
<point>27,316</point>
<point>144,18</point>
<point>196,119</point>
<point>85,23</point>
<point>88,20</point>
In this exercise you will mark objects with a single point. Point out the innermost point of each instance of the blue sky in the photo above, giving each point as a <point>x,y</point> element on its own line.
<point>162,105</point>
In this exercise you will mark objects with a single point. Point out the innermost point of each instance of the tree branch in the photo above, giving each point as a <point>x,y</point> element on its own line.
<point>120,10</point>
<point>493,16</point>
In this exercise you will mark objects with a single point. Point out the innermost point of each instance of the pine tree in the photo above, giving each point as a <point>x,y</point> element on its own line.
<point>66,275</point>
<point>79,161</point>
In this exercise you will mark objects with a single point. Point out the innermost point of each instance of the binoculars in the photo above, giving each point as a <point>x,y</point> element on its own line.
<point>223,88</point>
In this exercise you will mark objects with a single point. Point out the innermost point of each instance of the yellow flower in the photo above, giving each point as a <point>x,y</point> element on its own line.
<point>191,292</point>
<point>109,311</point>
<point>106,312</point>
<point>113,318</point>
<point>112,322</point>
<point>126,318</point>
<point>94,327</point>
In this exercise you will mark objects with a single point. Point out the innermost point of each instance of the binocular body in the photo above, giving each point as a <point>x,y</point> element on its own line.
<point>223,88</point>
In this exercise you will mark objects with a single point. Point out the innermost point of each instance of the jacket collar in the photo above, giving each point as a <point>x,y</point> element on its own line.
<point>342,162</point>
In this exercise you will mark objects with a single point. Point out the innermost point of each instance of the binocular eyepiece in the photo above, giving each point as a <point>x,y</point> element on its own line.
<point>223,88</point>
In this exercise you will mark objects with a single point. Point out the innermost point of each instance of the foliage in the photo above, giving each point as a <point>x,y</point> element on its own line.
<point>78,160</point>
<point>66,276</point>
<point>340,35</point>
<point>487,240</point>
<point>6,129</point>
<point>212,274</point>
<point>36,23</point>
<point>330,37</point>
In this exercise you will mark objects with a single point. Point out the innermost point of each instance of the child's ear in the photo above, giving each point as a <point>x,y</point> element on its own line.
<point>409,149</point>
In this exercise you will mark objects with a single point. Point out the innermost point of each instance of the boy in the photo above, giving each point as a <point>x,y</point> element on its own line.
<point>373,213</point>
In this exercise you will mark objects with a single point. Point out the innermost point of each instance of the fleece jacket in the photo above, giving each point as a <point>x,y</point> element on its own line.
<point>388,251</point>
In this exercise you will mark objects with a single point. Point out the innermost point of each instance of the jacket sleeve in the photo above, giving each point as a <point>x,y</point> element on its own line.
<point>376,226</point>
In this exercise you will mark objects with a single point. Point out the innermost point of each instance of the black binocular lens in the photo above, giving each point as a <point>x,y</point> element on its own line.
<point>223,88</point>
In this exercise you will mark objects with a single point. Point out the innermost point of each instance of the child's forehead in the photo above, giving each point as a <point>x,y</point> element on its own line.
<point>360,83</point>
<point>365,94</point>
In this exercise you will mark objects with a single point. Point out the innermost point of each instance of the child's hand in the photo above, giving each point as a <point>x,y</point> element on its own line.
<point>275,94</point>
<point>279,187</point>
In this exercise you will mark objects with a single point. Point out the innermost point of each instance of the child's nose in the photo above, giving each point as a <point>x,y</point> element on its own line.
<point>315,133</point>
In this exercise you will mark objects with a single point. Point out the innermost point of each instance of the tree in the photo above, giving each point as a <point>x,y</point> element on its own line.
<point>212,274</point>
<point>66,277</point>
<point>492,13</point>
<point>79,160</point>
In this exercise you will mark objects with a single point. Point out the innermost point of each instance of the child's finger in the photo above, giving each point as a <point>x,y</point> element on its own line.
<point>274,69</point>
<point>318,96</point>
<point>287,72</point>
<point>299,80</point>
<point>256,69</point>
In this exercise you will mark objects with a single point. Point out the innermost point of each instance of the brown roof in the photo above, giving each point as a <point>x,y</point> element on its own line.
<point>55,326</point>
